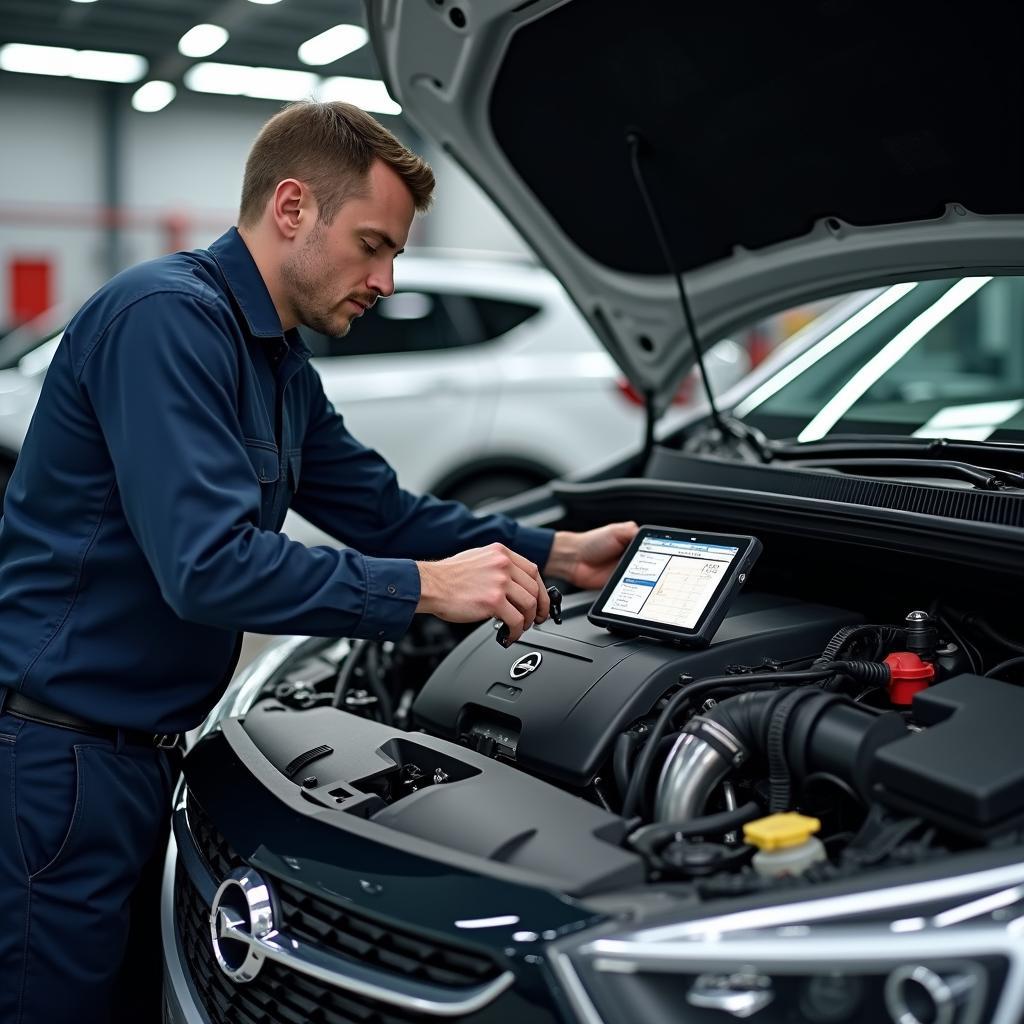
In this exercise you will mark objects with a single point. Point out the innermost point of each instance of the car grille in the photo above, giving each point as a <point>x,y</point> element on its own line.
<point>276,996</point>
<point>281,995</point>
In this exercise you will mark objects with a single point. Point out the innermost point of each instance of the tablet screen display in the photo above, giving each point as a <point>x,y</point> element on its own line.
<point>671,581</point>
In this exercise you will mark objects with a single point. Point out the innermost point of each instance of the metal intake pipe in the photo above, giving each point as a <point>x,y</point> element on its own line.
<point>694,766</point>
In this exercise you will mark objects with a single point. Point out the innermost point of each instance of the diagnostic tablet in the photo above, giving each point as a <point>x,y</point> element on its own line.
<point>675,584</point>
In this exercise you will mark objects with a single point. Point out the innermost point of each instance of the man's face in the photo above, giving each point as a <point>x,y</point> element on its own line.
<point>341,269</point>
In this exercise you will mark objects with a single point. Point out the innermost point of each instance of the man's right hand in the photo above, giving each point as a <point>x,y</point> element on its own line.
<point>490,582</point>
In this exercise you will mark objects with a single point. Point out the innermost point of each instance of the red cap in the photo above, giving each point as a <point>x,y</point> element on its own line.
<point>908,675</point>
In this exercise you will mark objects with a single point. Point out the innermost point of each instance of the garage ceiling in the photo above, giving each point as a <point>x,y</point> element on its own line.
<point>261,34</point>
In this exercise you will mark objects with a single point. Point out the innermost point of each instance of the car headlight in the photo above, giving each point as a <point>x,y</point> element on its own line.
<point>948,951</point>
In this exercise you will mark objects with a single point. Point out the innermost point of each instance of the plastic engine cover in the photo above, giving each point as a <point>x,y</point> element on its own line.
<point>561,719</point>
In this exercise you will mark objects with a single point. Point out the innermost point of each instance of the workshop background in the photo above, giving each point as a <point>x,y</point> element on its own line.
<point>125,125</point>
<point>91,183</point>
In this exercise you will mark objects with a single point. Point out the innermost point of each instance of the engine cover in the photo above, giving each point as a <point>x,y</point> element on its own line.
<point>584,685</point>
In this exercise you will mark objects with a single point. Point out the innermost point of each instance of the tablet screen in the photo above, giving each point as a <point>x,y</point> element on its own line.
<point>671,581</point>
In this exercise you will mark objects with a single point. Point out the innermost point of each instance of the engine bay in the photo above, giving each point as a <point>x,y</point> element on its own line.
<point>806,743</point>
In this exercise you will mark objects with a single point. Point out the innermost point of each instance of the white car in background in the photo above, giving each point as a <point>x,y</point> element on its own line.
<point>476,380</point>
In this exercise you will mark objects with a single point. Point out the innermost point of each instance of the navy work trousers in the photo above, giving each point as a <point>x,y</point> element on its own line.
<point>80,820</point>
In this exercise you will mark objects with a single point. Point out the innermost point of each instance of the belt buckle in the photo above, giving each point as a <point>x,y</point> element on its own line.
<point>167,740</point>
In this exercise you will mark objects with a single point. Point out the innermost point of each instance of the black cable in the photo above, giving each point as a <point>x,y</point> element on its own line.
<point>983,627</point>
<point>622,758</point>
<point>966,648</point>
<point>347,672</point>
<point>835,780</point>
<point>1009,663</point>
<point>645,839</point>
<point>375,684</point>
<point>633,141</point>
<point>650,417</point>
<point>779,775</point>
<point>885,635</point>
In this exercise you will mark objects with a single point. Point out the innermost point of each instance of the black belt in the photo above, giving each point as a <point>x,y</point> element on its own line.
<point>20,706</point>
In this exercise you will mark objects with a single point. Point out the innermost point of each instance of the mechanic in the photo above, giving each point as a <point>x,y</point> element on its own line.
<point>178,421</point>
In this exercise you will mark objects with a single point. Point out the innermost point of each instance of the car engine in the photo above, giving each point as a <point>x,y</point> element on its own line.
<point>804,744</point>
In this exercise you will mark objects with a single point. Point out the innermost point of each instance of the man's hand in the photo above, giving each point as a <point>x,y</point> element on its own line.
<point>587,559</point>
<point>490,582</point>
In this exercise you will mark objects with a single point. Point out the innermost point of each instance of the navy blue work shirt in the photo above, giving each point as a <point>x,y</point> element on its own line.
<point>140,534</point>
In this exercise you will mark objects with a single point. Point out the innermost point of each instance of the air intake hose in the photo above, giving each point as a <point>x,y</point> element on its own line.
<point>798,729</point>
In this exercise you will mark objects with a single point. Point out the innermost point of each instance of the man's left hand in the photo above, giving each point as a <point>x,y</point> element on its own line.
<point>587,559</point>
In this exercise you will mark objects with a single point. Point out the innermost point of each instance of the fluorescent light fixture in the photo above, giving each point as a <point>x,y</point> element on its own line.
<point>202,40</point>
<point>36,60</point>
<point>265,3</point>
<point>885,359</point>
<point>333,44</point>
<point>260,83</point>
<point>101,66</point>
<point>279,84</point>
<point>96,65</point>
<point>829,343</point>
<point>368,93</point>
<point>153,96</point>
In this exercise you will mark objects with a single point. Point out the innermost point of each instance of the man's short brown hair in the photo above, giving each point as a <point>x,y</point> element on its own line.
<point>330,147</point>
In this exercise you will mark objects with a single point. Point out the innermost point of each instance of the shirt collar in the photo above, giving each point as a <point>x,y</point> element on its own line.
<point>247,285</point>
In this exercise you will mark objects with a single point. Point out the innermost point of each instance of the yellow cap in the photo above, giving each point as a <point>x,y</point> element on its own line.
<point>779,831</point>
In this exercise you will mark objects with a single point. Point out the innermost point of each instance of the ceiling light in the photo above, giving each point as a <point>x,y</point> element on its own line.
<point>260,83</point>
<point>153,96</point>
<point>202,40</point>
<point>266,3</point>
<point>368,93</point>
<point>333,44</point>
<point>97,65</point>
<point>102,66</point>
<point>36,60</point>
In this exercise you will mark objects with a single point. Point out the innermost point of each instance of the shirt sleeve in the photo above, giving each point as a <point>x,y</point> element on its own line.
<point>163,382</point>
<point>352,493</point>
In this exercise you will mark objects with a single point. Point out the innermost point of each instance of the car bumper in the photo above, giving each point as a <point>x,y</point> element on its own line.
<point>196,991</point>
<point>181,1002</point>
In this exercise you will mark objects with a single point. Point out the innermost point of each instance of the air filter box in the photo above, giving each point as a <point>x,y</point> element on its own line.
<point>964,771</point>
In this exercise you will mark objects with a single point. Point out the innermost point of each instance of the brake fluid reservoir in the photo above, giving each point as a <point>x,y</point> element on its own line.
<point>786,844</point>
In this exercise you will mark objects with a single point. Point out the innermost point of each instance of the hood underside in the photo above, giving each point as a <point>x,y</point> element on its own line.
<point>791,151</point>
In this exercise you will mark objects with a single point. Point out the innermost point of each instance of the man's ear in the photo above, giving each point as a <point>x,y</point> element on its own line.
<point>291,205</point>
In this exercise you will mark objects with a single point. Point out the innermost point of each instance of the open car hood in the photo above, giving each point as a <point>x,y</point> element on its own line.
<point>792,151</point>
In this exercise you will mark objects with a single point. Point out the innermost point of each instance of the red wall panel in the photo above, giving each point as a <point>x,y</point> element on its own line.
<point>31,288</point>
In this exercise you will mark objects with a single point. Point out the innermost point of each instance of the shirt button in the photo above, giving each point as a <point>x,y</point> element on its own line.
<point>392,589</point>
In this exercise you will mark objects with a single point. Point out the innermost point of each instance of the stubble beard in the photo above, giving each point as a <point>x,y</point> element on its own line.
<point>308,281</point>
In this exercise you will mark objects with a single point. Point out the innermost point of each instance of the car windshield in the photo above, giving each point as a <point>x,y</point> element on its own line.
<point>941,358</point>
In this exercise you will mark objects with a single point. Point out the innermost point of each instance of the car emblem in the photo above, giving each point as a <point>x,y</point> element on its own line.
<point>526,664</point>
<point>242,914</point>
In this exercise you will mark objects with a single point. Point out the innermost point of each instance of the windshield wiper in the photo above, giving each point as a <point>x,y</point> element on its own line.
<point>984,479</point>
<point>988,455</point>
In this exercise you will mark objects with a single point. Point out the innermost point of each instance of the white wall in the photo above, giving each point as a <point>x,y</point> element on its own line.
<point>463,216</point>
<point>51,165</point>
<point>184,161</point>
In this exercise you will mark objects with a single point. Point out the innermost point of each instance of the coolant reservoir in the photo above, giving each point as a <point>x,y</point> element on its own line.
<point>786,844</point>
